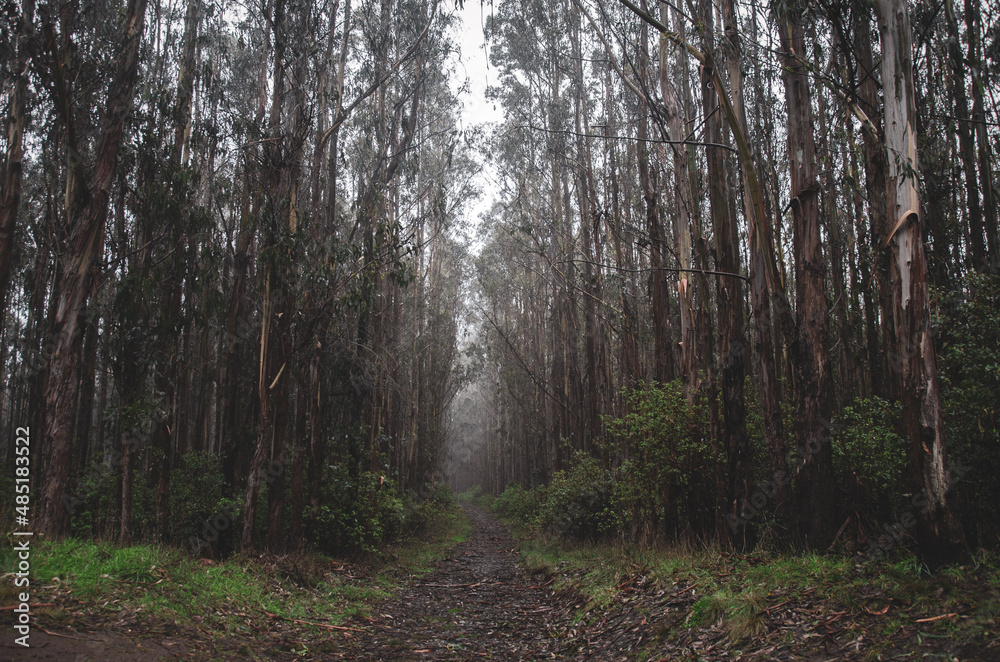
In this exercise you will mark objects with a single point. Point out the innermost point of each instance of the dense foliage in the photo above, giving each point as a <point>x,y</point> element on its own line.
<point>257,338</point>
<point>737,286</point>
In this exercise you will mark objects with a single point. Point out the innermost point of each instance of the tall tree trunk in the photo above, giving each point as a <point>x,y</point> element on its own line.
<point>683,212</point>
<point>166,373</point>
<point>966,140</point>
<point>298,458</point>
<point>651,195</point>
<point>10,176</point>
<point>86,214</point>
<point>884,373</point>
<point>729,300</point>
<point>288,196</point>
<point>587,203</point>
<point>807,346</point>
<point>271,366</point>
<point>938,531</point>
<point>760,249</point>
<point>703,314</point>
<point>845,342</point>
<point>973,20</point>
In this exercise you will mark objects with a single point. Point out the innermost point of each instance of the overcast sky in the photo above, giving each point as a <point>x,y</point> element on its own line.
<point>473,63</point>
<point>473,66</point>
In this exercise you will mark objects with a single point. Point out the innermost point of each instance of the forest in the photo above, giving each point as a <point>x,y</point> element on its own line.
<point>722,272</point>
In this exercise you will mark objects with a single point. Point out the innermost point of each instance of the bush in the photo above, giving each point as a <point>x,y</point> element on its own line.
<point>665,483</point>
<point>870,458</point>
<point>94,502</point>
<point>968,326</point>
<point>196,496</point>
<point>518,504</point>
<point>442,495</point>
<point>356,514</point>
<point>578,502</point>
<point>420,515</point>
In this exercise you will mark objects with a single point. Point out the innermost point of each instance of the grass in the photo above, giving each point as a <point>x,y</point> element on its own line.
<point>161,583</point>
<point>739,591</point>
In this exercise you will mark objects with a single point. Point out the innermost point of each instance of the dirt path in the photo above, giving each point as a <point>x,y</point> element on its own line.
<point>475,605</point>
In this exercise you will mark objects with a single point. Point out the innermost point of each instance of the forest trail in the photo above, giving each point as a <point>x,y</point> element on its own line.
<point>479,604</point>
<point>476,604</point>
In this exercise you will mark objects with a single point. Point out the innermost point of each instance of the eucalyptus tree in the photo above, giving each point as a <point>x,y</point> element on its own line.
<point>88,188</point>
<point>19,42</point>
<point>939,532</point>
<point>809,358</point>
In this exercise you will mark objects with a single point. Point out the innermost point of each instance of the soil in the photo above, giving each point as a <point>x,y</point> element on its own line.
<point>478,604</point>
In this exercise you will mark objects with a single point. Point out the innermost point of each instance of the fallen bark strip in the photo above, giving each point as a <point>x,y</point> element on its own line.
<point>780,604</point>
<point>935,618</point>
<point>319,625</point>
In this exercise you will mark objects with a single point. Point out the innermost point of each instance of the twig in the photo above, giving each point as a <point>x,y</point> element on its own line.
<point>844,526</point>
<point>836,615</point>
<point>319,625</point>
<point>42,604</point>
<point>628,581</point>
<point>934,618</point>
<point>780,604</point>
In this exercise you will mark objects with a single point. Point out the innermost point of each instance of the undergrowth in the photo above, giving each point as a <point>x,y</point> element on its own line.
<point>741,593</point>
<point>168,584</point>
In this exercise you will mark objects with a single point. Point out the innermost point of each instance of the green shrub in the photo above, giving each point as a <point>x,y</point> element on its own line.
<point>578,502</point>
<point>196,498</point>
<point>418,516</point>
<point>517,503</point>
<point>94,501</point>
<point>870,458</point>
<point>664,484</point>
<point>421,514</point>
<point>442,495</point>
<point>967,325</point>
<point>356,514</point>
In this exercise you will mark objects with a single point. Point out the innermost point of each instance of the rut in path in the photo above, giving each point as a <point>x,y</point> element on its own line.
<point>477,604</point>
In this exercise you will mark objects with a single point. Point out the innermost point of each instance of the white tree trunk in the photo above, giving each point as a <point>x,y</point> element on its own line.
<point>939,533</point>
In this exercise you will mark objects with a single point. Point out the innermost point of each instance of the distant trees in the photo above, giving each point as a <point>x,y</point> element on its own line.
<point>812,254</point>
<point>236,243</point>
